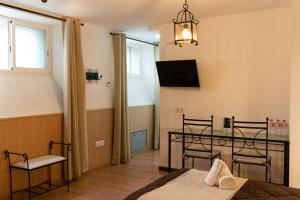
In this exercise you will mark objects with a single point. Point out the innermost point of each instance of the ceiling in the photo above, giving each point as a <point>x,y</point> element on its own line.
<point>134,16</point>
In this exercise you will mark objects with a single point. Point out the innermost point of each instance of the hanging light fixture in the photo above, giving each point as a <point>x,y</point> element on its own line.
<point>185,27</point>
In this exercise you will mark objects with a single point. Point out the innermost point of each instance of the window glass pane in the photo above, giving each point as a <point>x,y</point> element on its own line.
<point>4,44</point>
<point>31,47</point>
<point>128,59</point>
<point>135,61</point>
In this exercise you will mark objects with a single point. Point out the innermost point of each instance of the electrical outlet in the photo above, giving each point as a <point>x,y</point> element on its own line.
<point>99,143</point>
<point>179,110</point>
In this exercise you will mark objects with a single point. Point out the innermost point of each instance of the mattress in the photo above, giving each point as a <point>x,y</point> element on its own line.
<point>250,191</point>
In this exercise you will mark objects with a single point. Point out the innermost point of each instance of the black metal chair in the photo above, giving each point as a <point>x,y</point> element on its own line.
<point>250,142</point>
<point>205,132</point>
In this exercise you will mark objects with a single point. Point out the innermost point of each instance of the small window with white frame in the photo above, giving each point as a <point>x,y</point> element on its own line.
<point>24,46</point>
<point>133,56</point>
<point>4,44</point>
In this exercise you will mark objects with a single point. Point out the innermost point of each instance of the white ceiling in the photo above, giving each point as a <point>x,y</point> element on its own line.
<point>135,15</point>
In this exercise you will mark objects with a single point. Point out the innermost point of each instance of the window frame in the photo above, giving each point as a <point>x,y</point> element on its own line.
<point>9,44</point>
<point>140,75</point>
<point>12,44</point>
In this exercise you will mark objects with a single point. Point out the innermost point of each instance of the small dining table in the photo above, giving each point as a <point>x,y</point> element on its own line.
<point>223,138</point>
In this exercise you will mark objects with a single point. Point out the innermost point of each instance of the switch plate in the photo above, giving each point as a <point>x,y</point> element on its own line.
<point>99,143</point>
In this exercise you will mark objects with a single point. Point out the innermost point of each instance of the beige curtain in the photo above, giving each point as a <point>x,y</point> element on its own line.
<point>120,138</point>
<point>157,104</point>
<point>74,99</point>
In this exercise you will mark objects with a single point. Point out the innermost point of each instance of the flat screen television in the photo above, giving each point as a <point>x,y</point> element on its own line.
<point>178,73</point>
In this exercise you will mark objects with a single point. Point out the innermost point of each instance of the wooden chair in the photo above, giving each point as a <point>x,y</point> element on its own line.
<point>205,132</point>
<point>246,137</point>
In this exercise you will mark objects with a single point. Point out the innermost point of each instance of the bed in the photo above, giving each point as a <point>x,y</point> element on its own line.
<point>249,190</point>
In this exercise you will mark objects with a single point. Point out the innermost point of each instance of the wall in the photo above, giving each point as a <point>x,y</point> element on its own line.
<point>243,63</point>
<point>31,95</point>
<point>100,127</point>
<point>27,135</point>
<point>141,89</point>
<point>28,94</point>
<point>98,54</point>
<point>58,54</point>
<point>295,100</point>
<point>141,118</point>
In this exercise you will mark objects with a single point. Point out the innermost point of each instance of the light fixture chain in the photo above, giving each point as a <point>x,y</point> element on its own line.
<point>185,5</point>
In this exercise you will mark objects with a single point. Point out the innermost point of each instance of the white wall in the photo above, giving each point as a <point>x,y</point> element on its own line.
<point>243,63</point>
<point>141,90</point>
<point>58,54</point>
<point>98,54</point>
<point>295,100</point>
<point>27,94</point>
<point>36,94</point>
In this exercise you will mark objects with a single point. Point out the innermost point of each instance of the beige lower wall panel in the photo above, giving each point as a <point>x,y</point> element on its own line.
<point>141,118</point>
<point>100,127</point>
<point>30,135</point>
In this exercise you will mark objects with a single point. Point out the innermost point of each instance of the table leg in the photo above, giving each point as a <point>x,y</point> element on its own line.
<point>286,163</point>
<point>169,153</point>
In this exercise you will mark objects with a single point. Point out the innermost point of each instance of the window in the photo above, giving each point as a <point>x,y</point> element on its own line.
<point>23,45</point>
<point>133,57</point>
<point>32,51</point>
<point>4,44</point>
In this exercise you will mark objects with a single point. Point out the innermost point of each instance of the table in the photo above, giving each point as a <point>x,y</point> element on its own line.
<point>224,139</point>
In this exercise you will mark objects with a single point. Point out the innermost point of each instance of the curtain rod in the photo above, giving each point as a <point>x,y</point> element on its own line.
<point>32,11</point>
<point>138,40</point>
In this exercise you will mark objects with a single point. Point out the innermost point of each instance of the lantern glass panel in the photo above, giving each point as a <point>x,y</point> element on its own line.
<point>195,33</point>
<point>183,32</point>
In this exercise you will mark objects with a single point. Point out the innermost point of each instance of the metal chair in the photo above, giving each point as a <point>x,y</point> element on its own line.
<point>246,137</point>
<point>205,133</point>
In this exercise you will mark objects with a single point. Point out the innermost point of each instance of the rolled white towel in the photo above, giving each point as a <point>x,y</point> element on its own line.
<point>224,172</point>
<point>212,176</point>
<point>227,183</point>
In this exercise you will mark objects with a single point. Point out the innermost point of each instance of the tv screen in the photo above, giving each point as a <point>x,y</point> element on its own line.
<point>178,73</point>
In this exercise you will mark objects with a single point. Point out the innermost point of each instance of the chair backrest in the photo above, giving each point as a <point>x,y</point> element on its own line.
<point>250,139</point>
<point>203,127</point>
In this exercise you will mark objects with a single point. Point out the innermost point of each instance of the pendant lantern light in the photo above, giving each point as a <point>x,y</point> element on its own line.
<point>185,27</point>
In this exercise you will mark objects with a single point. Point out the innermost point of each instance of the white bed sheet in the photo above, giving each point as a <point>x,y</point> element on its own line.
<point>191,186</point>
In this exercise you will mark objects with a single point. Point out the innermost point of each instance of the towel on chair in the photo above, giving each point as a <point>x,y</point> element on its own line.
<point>212,177</point>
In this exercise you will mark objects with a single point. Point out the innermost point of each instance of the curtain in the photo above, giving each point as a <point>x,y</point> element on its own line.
<point>75,130</point>
<point>120,153</point>
<point>157,102</point>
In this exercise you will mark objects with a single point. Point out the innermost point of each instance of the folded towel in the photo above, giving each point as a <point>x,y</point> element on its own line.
<point>227,183</point>
<point>212,177</point>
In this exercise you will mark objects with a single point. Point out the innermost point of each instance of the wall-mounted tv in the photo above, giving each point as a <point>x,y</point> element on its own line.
<point>178,73</point>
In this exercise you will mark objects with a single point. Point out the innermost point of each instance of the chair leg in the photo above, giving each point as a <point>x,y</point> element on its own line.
<point>68,178</point>
<point>193,163</point>
<point>211,162</point>
<point>29,184</point>
<point>266,173</point>
<point>10,177</point>
<point>50,181</point>
<point>231,167</point>
<point>239,169</point>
